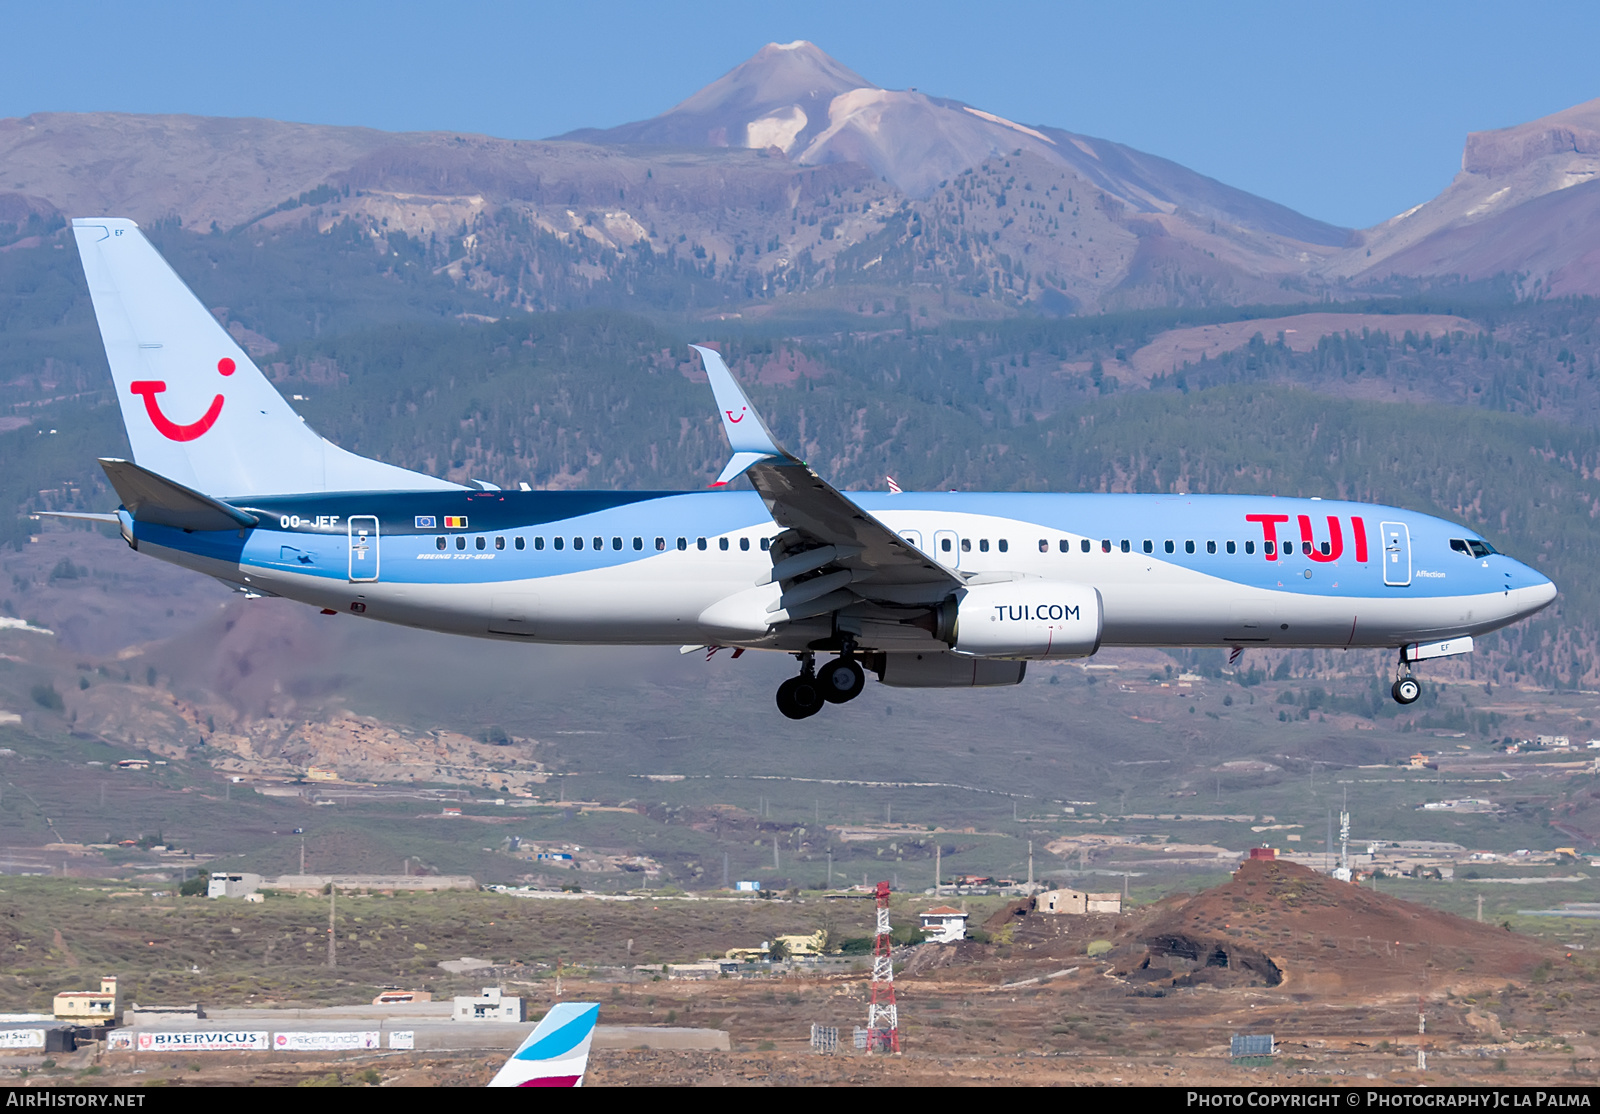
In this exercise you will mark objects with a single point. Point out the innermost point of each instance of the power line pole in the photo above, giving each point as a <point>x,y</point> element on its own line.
<point>333,894</point>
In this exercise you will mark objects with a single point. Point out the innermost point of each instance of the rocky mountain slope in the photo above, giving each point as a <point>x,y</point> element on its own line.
<point>1526,202</point>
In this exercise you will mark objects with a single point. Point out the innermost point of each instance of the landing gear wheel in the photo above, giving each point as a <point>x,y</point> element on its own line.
<point>841,681</point>
<point>1406,690</point>
<point>799,697</point>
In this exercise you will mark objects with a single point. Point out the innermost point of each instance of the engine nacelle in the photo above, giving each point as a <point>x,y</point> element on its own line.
<point>1029,619</point>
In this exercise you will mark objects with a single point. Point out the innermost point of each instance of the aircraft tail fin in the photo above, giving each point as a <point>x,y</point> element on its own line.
<point>556,1053</point>
<point>197,409</point>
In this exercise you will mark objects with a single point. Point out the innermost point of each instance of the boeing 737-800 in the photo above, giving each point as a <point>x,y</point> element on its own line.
<point>924,589</point>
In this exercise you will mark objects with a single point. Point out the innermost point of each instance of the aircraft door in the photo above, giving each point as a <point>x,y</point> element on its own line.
<point>1396,554</point>
<point>914,537</point>
<point>947,548</point>
<point>363,547</point>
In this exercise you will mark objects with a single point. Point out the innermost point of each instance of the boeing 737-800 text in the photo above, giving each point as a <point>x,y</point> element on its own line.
<point>924,589</point>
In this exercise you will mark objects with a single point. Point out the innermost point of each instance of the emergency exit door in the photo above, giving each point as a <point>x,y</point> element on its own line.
<point>1396,554</point>
<point>363,547</point>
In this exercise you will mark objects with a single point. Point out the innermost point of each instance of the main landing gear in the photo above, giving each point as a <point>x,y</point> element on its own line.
<point>1406,688</point>
<point>840,681</point>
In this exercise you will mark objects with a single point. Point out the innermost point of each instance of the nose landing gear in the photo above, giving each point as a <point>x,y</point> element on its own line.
<point>1406,688</point>
<point>840,681</point>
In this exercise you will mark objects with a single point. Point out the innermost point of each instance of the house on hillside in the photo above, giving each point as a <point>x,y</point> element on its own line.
<point>944,925</point>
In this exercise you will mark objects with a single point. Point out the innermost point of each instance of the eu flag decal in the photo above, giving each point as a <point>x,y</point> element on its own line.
<point>425,522</point>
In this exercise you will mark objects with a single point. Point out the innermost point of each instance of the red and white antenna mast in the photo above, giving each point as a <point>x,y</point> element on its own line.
<point>883,1017</point>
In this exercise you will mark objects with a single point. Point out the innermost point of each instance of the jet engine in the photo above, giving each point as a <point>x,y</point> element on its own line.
<point>1028,619</point>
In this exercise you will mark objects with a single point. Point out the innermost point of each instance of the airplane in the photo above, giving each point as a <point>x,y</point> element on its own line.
<point>924,589</point>
<point>556,1053</point>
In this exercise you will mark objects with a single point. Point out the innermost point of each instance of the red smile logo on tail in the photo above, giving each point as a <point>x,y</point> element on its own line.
<point>168,428</point>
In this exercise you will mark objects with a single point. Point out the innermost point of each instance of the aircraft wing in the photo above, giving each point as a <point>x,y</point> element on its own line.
<point>824,529</point>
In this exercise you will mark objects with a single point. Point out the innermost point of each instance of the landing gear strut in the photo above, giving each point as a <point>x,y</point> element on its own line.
<point>838,682</point>
<point>1406,688</point>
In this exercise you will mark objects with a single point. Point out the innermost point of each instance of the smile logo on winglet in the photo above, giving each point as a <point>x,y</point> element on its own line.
<point>168,428</point>
<point>740,418</point>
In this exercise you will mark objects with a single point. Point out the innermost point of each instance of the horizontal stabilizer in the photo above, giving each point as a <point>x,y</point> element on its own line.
<point>161,502</point>
<point>107,517</point>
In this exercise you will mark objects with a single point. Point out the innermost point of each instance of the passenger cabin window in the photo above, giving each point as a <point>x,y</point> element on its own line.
<point>983,545</point>
<point>577,543</point>
<point>1123,545</point>
<point>499,543</point>
<point>616,543</point>
<point>683,543</point>
<point>638,543</point>
<point>1044,546</point>
<point>521,543</point>
<point>1327,548</point>
<point>944,544</point>
<point>1066,545</point>
<point>558,542</point>
<point>1188,547</point>
<point>1004,545</point>
<point>1211,547</point>
<point>480,542</point>
<point>1084,545</point>
<point>599,543</point>
<point>700,544</point>
<point>1266,547</point>
<point>1169,546</point>
<point>744,545</point>
<point>722,544</point>
<point>439,543</point>
<point>1232,548</point>
<point>1149,546</point>
<point>766,544</point>
<point>966,545</point>
<point>1249,547</point>
<point>661,545</point>
<point>538,543</point>
<point>461,542</point>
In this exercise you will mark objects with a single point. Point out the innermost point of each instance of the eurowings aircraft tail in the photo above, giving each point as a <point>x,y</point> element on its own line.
<point>197,409</point>
<point>556,1053</point>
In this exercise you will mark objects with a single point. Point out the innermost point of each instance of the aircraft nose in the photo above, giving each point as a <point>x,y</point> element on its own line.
<point>1536,596</point>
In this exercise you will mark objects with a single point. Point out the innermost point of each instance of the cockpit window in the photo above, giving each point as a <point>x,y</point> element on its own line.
<point>1472,547</point>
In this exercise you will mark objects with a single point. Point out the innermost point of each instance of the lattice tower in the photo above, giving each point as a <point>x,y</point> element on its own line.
<point>883,1017</point>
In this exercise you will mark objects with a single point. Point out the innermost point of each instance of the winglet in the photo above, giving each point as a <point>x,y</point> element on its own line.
<point>748,435</point>
<point>556,1053</point>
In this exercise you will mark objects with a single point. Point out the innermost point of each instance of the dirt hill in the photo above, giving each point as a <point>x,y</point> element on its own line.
<point>1280,924</point>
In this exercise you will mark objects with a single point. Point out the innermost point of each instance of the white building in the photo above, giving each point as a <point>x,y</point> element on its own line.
<point>944,925</point>
<point>233,885</point>
<point>491,1005</point>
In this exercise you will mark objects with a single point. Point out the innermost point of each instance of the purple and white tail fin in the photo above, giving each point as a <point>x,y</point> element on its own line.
<point>556,1053</point>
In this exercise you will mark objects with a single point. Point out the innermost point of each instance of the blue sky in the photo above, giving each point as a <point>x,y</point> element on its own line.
<point>1349,112</point>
